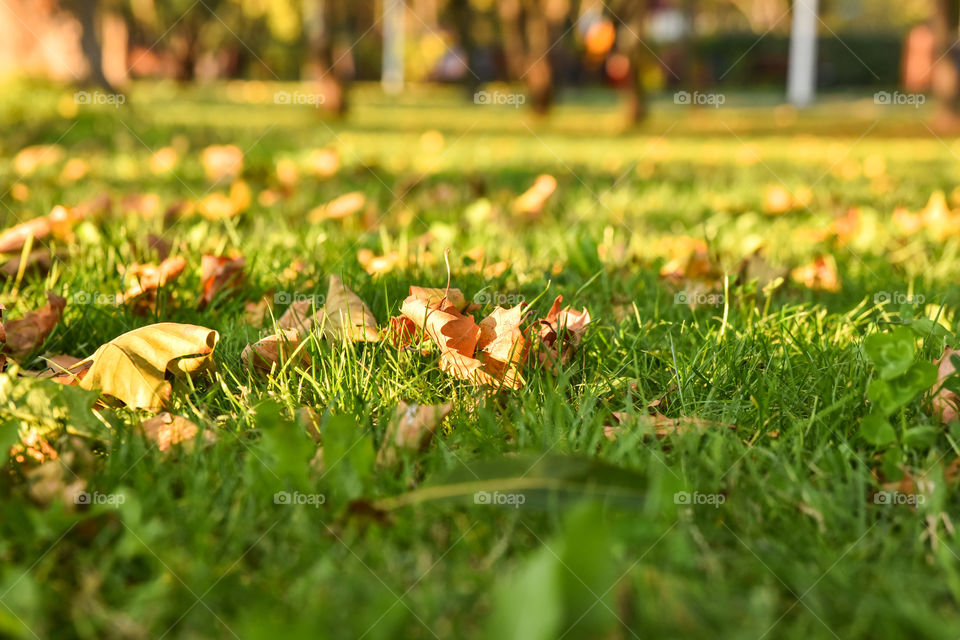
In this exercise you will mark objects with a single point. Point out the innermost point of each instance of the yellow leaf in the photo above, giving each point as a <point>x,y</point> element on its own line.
<point>133,366</point>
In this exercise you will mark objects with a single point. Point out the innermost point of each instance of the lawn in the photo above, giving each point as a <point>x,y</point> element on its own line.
<point>621,502</point>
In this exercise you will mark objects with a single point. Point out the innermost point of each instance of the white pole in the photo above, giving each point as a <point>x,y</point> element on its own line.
<point>392,74</point>
<point>802,75</point>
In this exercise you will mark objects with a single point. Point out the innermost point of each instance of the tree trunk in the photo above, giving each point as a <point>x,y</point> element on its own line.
<point>87,13</point>
<point>633,13</point>
<point>539,72</point>
<point>944,79</point>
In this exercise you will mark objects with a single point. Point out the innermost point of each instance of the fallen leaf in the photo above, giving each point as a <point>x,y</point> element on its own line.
<point>28,333</point>
<point>323,163</point>
<point>132,367</point>
<point>219,273</point>
<point>946,402</point>
<point>275,351</point>
<point>29,159</point>
<point>532,200</point>
<point>410,429</point>
<point>563,326</point>
<point>820,274</point>
<point>148,278</point>
<point>377,265</point>
<point>346,316</point>
<point>39,259</point>
<point>341,207</point>
<point>442,322</point>
<point>222,162</point>
<point>299,316</point>
<point>255,313</point>
<point>164,160</point>
<point>503,344</point>
<point>168,430</point>
<point>59,220</point>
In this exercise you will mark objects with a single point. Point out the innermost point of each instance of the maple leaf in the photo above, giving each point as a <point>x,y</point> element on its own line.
<point>441,321</point>
<point>562,327</point>
<point>410,429</point>
<point>218,273</point>
<point>132,367</point>
<point>299,316</point>
<point>28,333</point>
<point>819,274</point>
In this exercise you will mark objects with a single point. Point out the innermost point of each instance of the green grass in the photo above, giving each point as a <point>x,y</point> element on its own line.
<point>797,549</point>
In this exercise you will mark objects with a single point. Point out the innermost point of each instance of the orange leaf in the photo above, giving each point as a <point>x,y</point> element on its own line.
<point>218,273</point>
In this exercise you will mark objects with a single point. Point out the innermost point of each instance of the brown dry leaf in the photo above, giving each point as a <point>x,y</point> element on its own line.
<point>568,323</point>
<point>222,161</point>
<point>275,351</point>
<point>132,367</point>
<point>946,402</point>
<point>299,316</point>
<point>532,200</point>
<point>39,259</point>
<point>346,316</point>
<point>411,428</point>
<point>255,313</point>
<point>219,273</point>
<point>820,274</point>
<point>341,207</point>
<point>29,332</point>
<point>63,369</point>
<point>14,238</point>
<point>168,430</point>
<point>148,278</point>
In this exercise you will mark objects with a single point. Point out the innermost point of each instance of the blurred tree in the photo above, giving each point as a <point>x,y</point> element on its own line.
<point>330,63</point>
<point>88,14</point>
<point>945,80</point>
<point>525,33</point>
<point>632,14</point>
